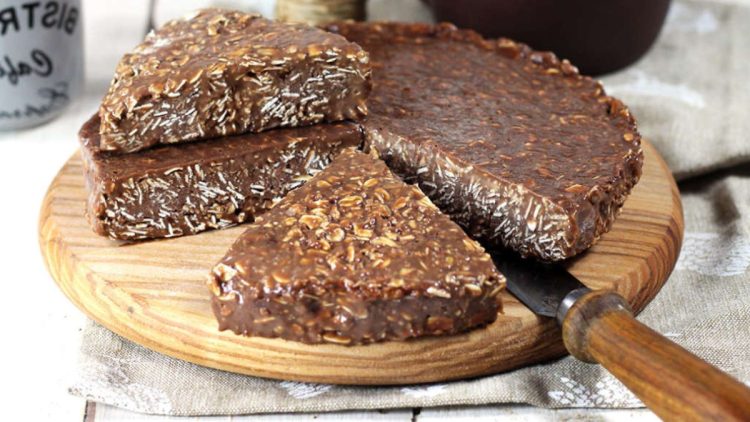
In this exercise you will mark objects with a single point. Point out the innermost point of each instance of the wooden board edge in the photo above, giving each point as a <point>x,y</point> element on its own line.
<point>65,271</point>
<point>672,245</point>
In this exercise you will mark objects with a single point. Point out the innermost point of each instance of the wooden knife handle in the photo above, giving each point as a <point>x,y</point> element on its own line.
<point>672,382</point>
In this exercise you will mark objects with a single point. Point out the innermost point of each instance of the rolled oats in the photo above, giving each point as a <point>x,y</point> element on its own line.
<point>175,190</point>
<point>513,144</point>
<point>224,72</point>
<point>377,278</point>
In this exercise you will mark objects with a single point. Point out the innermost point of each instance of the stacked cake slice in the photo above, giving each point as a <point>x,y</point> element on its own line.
<point>185,189</point>
<point>227,118</point>
<point>207,77</point>
<point>221,73</point>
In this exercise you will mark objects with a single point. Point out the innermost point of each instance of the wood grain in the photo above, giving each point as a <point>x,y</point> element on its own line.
<point>154,294</point>
<point>675,384</point>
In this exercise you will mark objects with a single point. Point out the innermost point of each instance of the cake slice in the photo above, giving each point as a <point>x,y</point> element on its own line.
<point>224,72</point>
<point>513,144</point>
<point>354,256</point>
<point>175,190</point>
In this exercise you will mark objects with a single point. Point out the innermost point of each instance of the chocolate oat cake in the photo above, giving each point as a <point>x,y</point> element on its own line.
<point>513,144</point>
<point>174,190</point>
<point>223,72</point>
<point>354,256</point>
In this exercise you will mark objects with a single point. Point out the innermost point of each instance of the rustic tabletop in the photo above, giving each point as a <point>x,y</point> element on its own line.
<point>42,329</point>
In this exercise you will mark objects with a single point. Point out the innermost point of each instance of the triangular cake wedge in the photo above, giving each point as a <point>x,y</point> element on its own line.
<point>354,256</point>
<point>223,72</point>
<point>512,143</point>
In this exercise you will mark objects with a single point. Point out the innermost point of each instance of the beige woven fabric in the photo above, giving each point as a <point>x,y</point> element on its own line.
<point>692,100</point>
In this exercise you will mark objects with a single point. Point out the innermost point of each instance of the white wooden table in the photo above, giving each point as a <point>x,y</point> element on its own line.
<point>41,330</point>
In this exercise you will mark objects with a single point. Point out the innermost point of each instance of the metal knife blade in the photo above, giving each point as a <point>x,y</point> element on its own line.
<point>546,289</point>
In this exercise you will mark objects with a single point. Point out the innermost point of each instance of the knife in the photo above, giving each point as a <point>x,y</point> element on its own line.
<point>598,327</point>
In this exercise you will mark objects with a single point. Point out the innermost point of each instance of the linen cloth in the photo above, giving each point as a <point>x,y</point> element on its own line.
<point>691,97</point>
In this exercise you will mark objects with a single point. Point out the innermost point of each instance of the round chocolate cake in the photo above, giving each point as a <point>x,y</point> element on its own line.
<point>514,144</point>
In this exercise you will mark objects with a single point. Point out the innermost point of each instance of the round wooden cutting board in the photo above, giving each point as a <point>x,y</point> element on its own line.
<point>154,294</point>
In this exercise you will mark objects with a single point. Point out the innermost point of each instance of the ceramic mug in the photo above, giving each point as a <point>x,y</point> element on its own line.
<point>41,60</point>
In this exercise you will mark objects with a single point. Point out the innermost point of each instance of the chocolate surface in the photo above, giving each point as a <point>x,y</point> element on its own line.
<point>514,144</point>
<point>354,256</point>
<point>175,190</point>
<point>223,72</point>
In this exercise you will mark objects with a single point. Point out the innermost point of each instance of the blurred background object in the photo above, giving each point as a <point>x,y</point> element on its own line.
<point>597,36</point>
<point>320,11</point>
<point>302,10</point>
<point>41,60</point>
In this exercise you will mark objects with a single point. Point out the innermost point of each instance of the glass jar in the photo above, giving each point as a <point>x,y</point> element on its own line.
<point>41,60</point>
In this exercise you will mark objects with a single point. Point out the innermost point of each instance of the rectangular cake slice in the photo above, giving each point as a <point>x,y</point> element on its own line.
<point>224,72</point>
<point>354,256</point>
<point>175,190</point>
